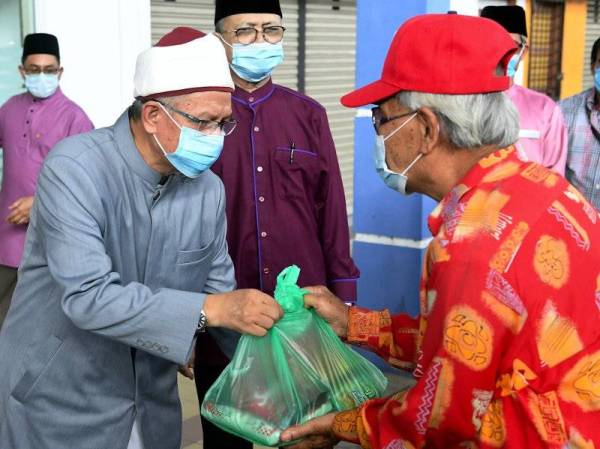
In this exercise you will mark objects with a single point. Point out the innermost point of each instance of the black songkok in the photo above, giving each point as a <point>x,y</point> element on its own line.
<point>512,18</point>
<point>40,43</point>
<point>226,8</point>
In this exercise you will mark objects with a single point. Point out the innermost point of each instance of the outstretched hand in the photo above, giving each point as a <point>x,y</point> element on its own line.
<point>314,434</point>
<point>329,307</point>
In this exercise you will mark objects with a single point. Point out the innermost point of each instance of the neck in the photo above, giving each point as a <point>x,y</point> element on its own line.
<point>146,146</point>
<point>457,163</point>
<point>247,85</point>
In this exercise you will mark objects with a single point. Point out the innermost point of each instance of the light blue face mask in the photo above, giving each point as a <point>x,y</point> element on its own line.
<point>514,61</point>
<point>597,79</point>
<point>395,181</point>
<point>195,152</point>
<point>41,85</point>
<point>255,62</point>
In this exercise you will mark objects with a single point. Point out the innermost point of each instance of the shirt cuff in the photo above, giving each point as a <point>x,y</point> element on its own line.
<point>345,425</point>
<point>349,426</point>
<point>345,289</point>
<point>362,325</point>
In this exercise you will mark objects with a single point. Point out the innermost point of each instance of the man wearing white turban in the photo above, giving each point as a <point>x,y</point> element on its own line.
<point>125,263</point>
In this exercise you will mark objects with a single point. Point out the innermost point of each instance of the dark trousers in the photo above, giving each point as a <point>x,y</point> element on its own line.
<point>209,364</point>
<point>8,281</point>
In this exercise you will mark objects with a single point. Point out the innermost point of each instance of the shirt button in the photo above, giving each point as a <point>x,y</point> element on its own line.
<point>266,270</point>
<point>259,169</point>
<point>27,122</point>
<point>251,99</point>
<point>256,129</point>
<point>263,234</point>
<point>24,135</point>
<point>261,199</point>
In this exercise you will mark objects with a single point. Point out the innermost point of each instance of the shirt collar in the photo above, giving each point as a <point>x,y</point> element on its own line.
<point>132,156</point>
<point>56,96</point>
<point>256,96</point>
<point>445,209</point>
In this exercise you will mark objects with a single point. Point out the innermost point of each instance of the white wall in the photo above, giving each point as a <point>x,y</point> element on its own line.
<point>99,42</point>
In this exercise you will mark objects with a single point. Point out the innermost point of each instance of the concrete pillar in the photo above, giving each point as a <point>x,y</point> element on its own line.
<point>390,230</point>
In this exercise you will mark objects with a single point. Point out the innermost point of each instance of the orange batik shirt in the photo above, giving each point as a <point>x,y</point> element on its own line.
<point>506,351</point>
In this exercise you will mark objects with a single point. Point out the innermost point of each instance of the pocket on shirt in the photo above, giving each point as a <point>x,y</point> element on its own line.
<point>192,256</point>
<point>297,174</point>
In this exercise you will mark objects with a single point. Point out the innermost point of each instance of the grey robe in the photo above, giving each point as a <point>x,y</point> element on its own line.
<point>108,299</point>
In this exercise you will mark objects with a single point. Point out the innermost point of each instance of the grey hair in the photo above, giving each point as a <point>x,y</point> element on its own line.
<point>135,109</point>
<point>219,26</point>
<point>470,121</point>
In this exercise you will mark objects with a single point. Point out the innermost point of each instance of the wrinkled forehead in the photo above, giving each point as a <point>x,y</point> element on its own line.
<point>210,104</point>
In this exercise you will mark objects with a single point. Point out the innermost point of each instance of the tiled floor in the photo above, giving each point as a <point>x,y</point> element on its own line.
<point>192,429</point>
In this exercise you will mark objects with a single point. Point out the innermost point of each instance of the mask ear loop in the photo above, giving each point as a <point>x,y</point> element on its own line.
<point>405,171</point>
<point>154,135</point>
<point>223,40</point>
<point>400,127</point>
<point>170,116</point>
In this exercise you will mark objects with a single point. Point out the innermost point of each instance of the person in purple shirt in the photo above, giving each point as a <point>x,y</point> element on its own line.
<point>285,197</point>
<point>30,125</point>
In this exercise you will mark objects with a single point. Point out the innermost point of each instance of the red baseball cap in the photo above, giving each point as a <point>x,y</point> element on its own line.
<point>441,54</point>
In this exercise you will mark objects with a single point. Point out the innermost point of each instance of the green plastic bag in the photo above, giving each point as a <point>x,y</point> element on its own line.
<point>300,370</point>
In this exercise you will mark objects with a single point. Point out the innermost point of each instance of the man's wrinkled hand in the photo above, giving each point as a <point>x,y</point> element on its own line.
<point>329,307</point>
<point>314,434</point>
<point>247,311</point>
<point>19,211</point>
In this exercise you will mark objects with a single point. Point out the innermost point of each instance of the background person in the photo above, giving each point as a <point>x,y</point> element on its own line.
<point>30,125</point>
<point>542,134</point>
<point>285,197</point>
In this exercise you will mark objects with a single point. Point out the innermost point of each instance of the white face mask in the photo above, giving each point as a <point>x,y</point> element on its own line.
<point>395,181</point>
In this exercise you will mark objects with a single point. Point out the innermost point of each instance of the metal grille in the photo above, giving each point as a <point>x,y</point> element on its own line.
<point>330,68</point>
<point>545,47</point>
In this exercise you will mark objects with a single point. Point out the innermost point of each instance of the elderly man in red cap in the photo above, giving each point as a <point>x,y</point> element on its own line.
<point>125,264</point>
<point>502,352</point>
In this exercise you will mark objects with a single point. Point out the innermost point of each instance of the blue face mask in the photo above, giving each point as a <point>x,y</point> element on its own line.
<point>514,61</point>
<point>255,62</point>
<point>41,85</point>
<point>195,152</point>
<point>597,79</point>
<point>395,181</point>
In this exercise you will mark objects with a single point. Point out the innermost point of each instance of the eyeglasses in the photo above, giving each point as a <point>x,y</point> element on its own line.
<point>247,35</point>
<point>379,119</point>
<point>36,70</point>
<point>207,127</point>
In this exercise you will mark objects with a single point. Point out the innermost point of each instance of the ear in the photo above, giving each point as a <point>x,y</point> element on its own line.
<point>431,129</point>
<point>150,116</point>
<point>60,72</point>
<point>22,72</point>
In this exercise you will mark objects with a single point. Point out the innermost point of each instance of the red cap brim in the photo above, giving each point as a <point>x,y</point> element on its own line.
<point>370,94</point>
